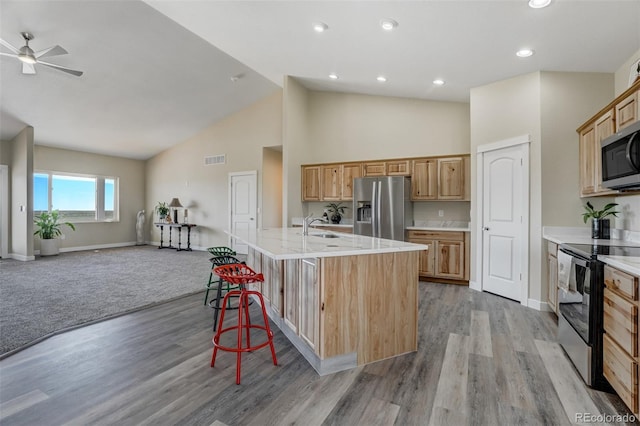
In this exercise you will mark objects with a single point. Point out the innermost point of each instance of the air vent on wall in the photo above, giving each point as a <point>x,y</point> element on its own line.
<point>215,159</point>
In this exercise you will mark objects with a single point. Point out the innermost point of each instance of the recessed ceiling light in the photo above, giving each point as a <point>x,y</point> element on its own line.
<point>388,24</point>
<point>524,53</point>
<point>333,76</point>
<point>381,78</point>
<point>320,27</point>
<point>438,82</point>
<point>539,4</point>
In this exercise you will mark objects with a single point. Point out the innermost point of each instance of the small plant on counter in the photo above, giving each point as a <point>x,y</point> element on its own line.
<point>336,210</point>
<point>592,213</point>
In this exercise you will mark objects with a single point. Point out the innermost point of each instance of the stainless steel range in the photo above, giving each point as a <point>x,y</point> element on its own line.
<point>580,323</point>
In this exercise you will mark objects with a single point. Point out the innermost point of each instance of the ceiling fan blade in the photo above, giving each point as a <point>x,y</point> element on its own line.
<point>8,54</point>
<point>52,51</point>
<point>9,46</point>
<point>61,68</point>
<point>28,69</point>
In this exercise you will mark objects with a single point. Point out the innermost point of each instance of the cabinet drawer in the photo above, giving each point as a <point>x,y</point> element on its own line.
<point>552,249</point>
<point>621,372</point>
<point>621,282</point>
<point>437,235</point>
<point>620,321</point>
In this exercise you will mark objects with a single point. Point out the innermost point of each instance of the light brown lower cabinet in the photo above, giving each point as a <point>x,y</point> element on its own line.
<point>447,255</point>
<point>620,340</point>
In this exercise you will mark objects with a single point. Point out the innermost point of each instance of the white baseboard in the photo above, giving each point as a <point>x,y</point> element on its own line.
<point>21,257</point>
<point>473,285</point>
<point>93,247</point>
<point>538,305</point>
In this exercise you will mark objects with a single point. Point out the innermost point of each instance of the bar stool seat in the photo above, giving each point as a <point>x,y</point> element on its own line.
<point>241,275</point>
<point>216,252</point>
<point>215,302</point>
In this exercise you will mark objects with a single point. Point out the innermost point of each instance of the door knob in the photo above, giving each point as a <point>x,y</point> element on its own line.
<point>486,228</point>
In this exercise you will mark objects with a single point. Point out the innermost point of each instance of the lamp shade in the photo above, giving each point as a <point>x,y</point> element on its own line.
<point>175,203</point>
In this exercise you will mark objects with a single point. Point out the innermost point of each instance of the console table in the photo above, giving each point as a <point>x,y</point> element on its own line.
<point>161,225</point>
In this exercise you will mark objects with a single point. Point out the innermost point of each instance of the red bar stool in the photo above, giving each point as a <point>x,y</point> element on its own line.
<point>241,275</point>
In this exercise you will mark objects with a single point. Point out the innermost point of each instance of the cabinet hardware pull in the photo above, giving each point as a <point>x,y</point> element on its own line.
<point>322,308</point>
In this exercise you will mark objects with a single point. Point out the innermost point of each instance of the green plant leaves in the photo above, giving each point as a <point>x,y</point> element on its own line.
<point>592,213</point>
<point>49,226</point>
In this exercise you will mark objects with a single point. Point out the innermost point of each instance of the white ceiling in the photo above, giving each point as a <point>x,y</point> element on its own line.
<point>150,83</point>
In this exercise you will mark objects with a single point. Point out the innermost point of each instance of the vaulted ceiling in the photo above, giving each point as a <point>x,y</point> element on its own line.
<point>158,72</point>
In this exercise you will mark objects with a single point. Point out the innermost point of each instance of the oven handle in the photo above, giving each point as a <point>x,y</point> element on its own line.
<point>578,261</point>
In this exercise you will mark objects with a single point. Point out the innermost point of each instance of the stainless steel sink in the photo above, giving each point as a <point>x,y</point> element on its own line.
<point>325,235</point>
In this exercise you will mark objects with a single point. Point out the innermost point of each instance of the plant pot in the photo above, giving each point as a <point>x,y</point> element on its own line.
<point>50,247</point>
<point>336,218</point>
<point>600,229</point>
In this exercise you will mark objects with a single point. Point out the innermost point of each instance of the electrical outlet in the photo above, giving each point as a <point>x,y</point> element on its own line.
<point>440,213</point>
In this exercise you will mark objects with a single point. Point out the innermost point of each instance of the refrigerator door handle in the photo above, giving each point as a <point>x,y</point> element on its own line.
<point>374,217</point>
<point>379,207</point>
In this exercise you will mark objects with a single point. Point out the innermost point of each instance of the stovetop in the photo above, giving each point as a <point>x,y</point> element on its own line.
<point>591,251</point>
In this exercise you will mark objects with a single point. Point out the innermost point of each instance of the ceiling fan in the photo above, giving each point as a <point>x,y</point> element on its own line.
<point>29,58</point>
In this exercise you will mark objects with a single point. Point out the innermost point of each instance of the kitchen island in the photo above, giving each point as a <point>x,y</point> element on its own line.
<point>343,300</point>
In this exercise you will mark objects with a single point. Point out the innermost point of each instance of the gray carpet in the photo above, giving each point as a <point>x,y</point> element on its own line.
<point>54,293</point>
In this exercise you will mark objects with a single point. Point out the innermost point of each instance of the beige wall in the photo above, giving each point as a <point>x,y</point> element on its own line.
<point>21,209</point>
<point>351,127</point>
<point>567,101</point>
<point>180,171</point>
<point>271,188</point>
<point>295,144</point>
<point>131,175</point>
<point>5,152</point>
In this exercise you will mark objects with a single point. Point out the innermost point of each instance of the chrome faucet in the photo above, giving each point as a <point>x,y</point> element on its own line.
<point>306,223</point>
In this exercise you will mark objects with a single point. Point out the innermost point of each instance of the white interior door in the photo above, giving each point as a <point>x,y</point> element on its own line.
<point>504,221</point>
<point>243,196</point>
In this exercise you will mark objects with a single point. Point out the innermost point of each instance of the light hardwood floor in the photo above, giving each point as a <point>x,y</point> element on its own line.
<point>481,360</point>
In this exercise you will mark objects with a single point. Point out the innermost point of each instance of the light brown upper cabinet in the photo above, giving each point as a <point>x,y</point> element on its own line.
<point>451,179</point>
<point>349,173</point>
<point>378,168</point>
<point>311,183</point>
<point>399,168</point>
<point>331,178</point>
<point>621,112</point>
<point>627,111</point>
<point>424,179</point>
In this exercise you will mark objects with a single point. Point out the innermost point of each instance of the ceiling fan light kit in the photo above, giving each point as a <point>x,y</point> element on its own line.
<point>29,58</point>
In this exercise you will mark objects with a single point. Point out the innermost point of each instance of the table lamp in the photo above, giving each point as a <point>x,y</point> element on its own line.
<point>175,204</point>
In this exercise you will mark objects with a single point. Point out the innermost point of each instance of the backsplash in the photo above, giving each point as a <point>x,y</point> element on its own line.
<point>629,219</point>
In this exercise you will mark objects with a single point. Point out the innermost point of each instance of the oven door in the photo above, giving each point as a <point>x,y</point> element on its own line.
<point>574,301</point>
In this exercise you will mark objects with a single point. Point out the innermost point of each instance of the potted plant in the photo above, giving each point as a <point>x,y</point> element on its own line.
<point>162,209</point>
<point>48,230</point>
<point>336,210</point>
<point>600,227</point>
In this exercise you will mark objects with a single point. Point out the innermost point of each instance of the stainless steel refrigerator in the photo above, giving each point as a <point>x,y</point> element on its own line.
<point>382,206</point>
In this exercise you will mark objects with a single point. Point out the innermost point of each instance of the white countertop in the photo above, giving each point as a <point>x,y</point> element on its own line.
<point>419,225</point>
<point>289,243</point>
<point>561,235</point>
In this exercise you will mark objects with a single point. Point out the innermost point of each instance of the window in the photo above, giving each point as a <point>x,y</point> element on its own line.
<point>79,198</point>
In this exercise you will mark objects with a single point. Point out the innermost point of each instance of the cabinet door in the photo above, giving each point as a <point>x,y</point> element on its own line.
<point>378,168</point>
<point>427,259</point>
<point>424,180</point>
<point>273,283</point>
<point>349,173</point>
<point>331,183</point>
<point>292,293</point>
<point>603,129</point>
<point>309,298</point>
<point>627,111</point>
<point>552,282</point>
<point>398,168</point>
<point>451,179</point>
<point>311,183</point>
<point>450,259</point>
<point>621,371</point>
<point>267,272</point>
<point>587,160</point>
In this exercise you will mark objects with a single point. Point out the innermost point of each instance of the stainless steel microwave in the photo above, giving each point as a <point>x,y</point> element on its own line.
<point>621,159</point>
